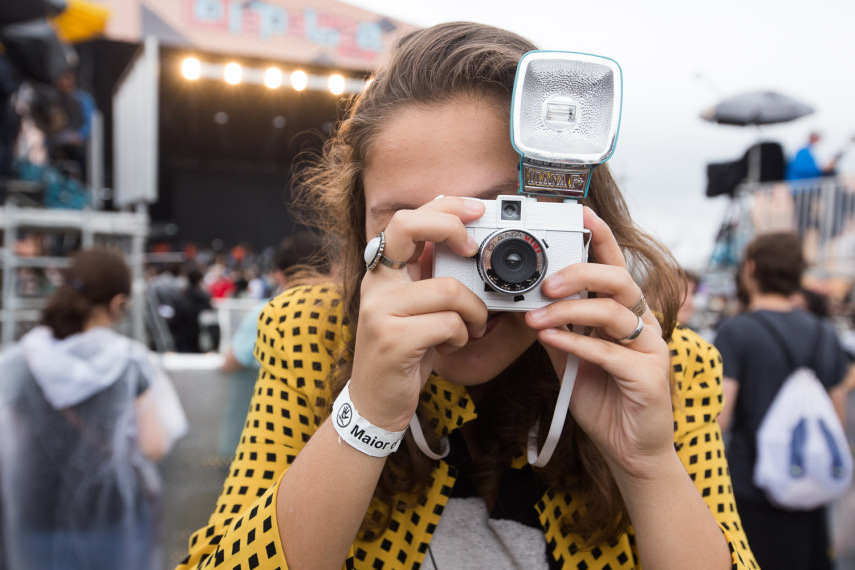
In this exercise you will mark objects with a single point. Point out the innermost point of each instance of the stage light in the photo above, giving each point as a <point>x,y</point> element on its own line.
<point>233,73</point>
<point>336,84</point>
<point>191,68</point>
<point>299,80</point>
<point>273,78</point>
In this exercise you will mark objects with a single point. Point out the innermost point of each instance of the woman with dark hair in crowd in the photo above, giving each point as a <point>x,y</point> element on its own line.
<point>638,476</point>
<point>78,433</point>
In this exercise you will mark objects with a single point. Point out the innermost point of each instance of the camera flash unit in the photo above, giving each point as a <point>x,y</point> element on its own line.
<point>565,117</point>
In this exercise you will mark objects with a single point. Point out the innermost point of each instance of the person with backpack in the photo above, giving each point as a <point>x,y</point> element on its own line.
<point>774,356</point>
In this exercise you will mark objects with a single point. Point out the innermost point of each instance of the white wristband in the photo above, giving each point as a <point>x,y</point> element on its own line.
<point>358,432</point>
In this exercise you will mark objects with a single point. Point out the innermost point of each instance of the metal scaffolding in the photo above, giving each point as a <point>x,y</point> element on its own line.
<point>135,186</point>
<point>126,230</point>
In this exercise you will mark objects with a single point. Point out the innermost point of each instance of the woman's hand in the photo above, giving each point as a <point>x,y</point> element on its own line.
<point>622,395</point>
<point>404,321</point>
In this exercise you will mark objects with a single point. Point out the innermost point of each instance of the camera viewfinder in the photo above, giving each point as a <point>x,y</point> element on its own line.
<point>511,210</point>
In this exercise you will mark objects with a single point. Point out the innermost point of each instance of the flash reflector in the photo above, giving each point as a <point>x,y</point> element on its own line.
<point>565,117</point>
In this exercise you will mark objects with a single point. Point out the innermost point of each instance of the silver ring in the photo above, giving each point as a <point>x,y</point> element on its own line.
<point>374,254</point>
<point>639,307</point>
<point>634,334</point>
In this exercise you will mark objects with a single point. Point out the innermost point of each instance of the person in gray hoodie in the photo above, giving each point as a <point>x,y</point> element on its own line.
<point>78,434</point>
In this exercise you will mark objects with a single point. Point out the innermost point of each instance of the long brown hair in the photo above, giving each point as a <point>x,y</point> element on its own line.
<point>429,68</point>
<point>96,276</point>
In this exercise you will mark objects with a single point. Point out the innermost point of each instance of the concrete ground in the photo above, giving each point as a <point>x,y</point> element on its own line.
<point>216,405</point>
<point>193,474</point>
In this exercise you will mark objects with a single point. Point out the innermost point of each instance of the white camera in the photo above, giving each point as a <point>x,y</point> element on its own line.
<point>565,116</point>
<point>522,242</point>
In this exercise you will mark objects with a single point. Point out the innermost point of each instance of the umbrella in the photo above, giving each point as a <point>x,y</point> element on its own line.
<point>756,108</point>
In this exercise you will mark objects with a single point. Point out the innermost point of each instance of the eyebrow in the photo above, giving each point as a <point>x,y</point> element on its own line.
<point>389,207</point>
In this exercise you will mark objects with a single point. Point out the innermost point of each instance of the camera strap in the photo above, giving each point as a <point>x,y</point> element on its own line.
<point>562,405</point>
<point>421,442</point>
<point>559,416</point>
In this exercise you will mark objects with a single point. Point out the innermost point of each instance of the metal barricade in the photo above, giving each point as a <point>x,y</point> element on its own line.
<point>821,211</point>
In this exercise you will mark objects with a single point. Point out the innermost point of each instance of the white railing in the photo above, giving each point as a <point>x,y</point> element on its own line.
<point>821,211</point>
<point>230,312</point>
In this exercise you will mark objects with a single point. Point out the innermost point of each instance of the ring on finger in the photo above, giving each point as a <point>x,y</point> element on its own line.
<point>634,334</point>
<point>374,254</point>
<point>639,307</point>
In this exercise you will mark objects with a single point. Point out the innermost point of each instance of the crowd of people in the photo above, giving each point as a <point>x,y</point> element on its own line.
<point>45,117</point>
<point>48,143</point>
<point>395,421</point>
<point>182,292</point>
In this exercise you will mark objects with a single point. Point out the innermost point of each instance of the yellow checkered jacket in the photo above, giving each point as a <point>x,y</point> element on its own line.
<point>299,332</point>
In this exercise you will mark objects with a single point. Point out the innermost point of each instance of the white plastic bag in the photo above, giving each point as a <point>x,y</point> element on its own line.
<point>163,397</point>
<point>803,456</point>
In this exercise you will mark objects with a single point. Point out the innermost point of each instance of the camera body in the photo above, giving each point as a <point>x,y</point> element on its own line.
<point>565,117</point>
<point>522,242</point>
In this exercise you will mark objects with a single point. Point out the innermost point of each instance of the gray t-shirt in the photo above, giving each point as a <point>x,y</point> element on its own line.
<point>756,359</point>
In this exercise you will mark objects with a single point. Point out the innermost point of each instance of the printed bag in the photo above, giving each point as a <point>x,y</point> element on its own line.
<point>803,456</point>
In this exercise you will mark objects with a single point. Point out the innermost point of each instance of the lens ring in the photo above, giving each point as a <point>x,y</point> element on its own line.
<point>512,261</point>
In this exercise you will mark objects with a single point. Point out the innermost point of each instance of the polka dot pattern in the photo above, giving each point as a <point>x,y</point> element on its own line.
<point>297,338</point>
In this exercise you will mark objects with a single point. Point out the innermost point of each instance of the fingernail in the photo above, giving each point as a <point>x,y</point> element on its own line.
<point>550,331</point>
<point>473,204</point>
<point>554,282</point>
<point>440,196</point>
<point>538,314</point>
<point>473,245</point>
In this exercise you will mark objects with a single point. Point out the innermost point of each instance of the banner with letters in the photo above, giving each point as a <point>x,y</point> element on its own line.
<point>328,33</point>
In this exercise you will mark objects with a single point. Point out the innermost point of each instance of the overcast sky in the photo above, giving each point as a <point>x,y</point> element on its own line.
<point>680,57</point>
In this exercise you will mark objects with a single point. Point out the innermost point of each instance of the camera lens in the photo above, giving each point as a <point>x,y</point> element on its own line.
<point>511,210</point>
<point>512,261</point>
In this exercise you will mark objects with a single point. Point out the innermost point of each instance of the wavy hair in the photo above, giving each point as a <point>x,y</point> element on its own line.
<point>429,68</point>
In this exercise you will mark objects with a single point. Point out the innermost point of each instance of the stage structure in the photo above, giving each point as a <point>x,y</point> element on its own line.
<point>216,100</point>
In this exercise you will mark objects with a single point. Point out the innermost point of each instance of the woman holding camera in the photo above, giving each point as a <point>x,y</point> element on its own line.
<point>638,476</point>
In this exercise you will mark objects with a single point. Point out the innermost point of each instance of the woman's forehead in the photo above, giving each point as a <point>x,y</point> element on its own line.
<point>460,148</point>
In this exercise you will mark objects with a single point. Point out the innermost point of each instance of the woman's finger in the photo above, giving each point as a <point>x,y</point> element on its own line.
<point>421,331</point>
<point>443,294</point>
<point>437,221</point>
<point>606,280</point>
<point>622,362</point>
<point>603,241</point>
<point>443,328</point>
<point>607,315</point>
